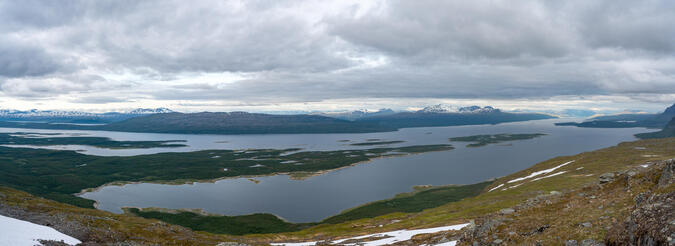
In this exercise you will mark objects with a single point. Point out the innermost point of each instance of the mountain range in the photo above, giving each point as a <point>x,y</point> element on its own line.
<point>163,120</point>
<point>76,117</point>
<point>627,120</point>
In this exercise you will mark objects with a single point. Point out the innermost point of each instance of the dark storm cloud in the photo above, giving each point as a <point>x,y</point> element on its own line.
<point>313,50</point>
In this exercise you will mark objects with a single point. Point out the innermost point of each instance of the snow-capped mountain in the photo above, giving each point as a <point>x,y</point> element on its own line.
<point>440,108</point>
<point>57,116</point>
<point>357,114</point>
<point>150,111</point>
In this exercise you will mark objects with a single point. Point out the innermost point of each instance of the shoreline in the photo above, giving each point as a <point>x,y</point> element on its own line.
<point>289,174</point>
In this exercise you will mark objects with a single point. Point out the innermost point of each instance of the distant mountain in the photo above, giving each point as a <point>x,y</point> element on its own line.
<point>358,114</point>
<point>667,132</point>
<point>627,120</point>
<point>442,109</point>
<point>439,115</point>
<point>166,121</point>
<point>150,111</point>
<point>241,123</point>
<point>75,117</point>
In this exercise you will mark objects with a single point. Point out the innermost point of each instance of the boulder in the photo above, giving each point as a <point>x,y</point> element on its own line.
<point>606,177</point>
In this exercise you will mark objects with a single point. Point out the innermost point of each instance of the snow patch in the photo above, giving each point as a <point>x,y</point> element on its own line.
<point>18,233</point>
<point>391,237</point>
<point>496,187</point>
<point>548,176</point>
<point>533,174</point>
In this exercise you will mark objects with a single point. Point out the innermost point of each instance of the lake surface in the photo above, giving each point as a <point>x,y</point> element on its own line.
<point>321,196</point>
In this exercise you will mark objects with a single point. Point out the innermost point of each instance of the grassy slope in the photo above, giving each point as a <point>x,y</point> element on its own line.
<point>409,202</point>
<point>101,227</point>
<point>234,225</point>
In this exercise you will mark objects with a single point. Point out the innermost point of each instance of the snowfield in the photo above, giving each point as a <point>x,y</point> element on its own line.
<point>19,233</point>
<point>389,237</point>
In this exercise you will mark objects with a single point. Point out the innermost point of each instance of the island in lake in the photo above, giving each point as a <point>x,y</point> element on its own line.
<point>482,140</point>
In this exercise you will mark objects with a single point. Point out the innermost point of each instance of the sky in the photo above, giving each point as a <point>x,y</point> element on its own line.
<point>277,55</point>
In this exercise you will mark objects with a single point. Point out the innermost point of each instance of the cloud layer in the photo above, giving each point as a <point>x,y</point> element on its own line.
<point>270,53</point>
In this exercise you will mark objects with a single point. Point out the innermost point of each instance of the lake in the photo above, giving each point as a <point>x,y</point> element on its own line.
<point>318,197</point>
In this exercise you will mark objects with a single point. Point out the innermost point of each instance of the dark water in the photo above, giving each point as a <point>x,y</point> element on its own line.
<point>321,196</point>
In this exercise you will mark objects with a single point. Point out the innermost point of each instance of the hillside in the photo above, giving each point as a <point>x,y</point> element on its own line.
<point>429,118</point>
<point>667,132</point>
<point>614,195</point>
<point>241,123</point>
<point>627,120</point>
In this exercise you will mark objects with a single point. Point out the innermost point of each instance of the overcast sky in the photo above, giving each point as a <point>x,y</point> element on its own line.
<point>329,55</point>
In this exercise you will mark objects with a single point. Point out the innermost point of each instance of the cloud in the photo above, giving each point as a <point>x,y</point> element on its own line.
<point>20,59</point>
<point>277,52</point>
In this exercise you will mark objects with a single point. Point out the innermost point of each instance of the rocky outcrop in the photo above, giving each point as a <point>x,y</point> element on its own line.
<point>652,221</point>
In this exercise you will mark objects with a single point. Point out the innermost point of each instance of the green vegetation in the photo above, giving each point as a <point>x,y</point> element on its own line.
<point>666,132</point>
<point>482,140</point>
<point>602,205</point>
<point>39,139</point>
<point>410,202</point>
<point>58,174</point>
<point>233,225</point>
<point>376,143</point>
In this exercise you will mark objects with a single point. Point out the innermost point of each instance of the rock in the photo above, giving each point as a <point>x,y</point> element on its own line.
<point>571,243</point>
<point>606,178</point>
<point>667,176</point>
<point>555,193</point>
<point>590,242</point>
<point>507,211</point>
<point>231,244</point>
<point>648,223</point>
<point>631,173</point>
<point>497,241</point>
<point>586,224</point>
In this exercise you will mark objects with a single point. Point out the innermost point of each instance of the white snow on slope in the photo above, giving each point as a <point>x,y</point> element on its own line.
<point>451,243</point>
<point>533,174</point>
<point>19,233</point>
<point>548,176</point>
<point>497,187</point>
<point>391,237</point>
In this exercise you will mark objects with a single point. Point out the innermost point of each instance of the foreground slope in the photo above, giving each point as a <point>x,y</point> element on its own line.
<point>550,203</point>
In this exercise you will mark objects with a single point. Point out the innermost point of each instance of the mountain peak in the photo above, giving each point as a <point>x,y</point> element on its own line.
<point>440,108</point>
<point>151,111</point>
